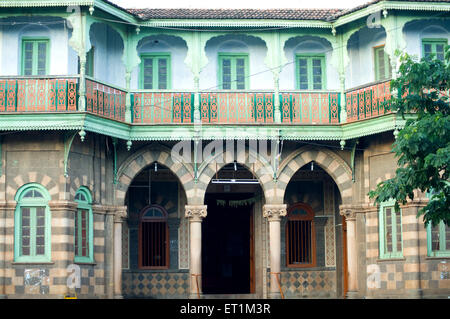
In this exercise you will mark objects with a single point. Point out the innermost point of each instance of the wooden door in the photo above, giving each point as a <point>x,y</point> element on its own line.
<point>252,253</point>
<point>344,247</point>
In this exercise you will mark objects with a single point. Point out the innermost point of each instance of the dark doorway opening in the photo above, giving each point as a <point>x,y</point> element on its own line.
<point>227,245</point>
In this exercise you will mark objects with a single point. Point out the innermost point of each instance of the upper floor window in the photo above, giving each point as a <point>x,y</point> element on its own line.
<point>32,225</point>
<point>35,57</point>
<point>155,71</point>
<point>434,46</point>
<point>153,238</point>
<point>233,71</point>
<point>310,72</point>
<point>83,226</point>
<point>383,69</point>
<point>438,240</point>
<point>390,231</point>
<point>300,236</point>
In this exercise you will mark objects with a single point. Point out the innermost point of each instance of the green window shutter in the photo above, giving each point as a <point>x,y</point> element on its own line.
<point>35,57</point>
<point>390,232</point>
<point>438,240</point>
<point>155,72</point>
<point>310,72</point>
<point>84,233</point>
<point>233,71</point>
<point>303,74</point>
<point>32,222</point>
<point>383,69</point>
<point>435,47</point>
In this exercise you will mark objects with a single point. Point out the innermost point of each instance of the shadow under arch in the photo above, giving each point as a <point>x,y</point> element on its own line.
<point>262,170</point>
<point>140,160</point>
<point>333,164</point>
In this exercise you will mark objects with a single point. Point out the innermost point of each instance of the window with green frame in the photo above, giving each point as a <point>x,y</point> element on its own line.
<point>438,240</point>
<point>32,225</point>
<point>383,69</point>
<point>390,231</point>
<point>35,56</point>
<point>84,231</point>
<point>155,71</point>
<point>233,71</point>
<point>434,46</point>
<point>310,72</point>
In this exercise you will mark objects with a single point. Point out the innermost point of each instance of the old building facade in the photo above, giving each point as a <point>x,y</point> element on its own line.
<point>162,153</point>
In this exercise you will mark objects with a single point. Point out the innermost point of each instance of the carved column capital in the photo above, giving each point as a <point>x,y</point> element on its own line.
<point>195,213</point>
<point>349,214</point>
<point>120,214</point>
<point>274,212</point>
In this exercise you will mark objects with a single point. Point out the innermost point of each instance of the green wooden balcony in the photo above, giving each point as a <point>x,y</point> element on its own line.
<point>31,94</point>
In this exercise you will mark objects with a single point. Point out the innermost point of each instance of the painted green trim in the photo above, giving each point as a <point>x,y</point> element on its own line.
<point>155,77</point>
<point>384,254</point>
<point>309,58</point>
<point>84,205</point>
<point>233,56</point>
<point>32,203</point>
<point>433,42</point>
<point>35,42</point>
<point>441,252</point>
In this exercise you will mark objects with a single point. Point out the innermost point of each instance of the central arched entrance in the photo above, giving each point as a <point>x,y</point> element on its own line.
<point>228,232</point>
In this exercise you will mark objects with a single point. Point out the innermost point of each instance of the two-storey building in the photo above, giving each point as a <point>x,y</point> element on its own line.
<point>184,153</point>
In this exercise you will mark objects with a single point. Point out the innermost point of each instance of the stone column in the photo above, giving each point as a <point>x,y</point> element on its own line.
<point>195,214</point>
<point>352,256</point>
<point>118,219</point>
<point>273,213</point>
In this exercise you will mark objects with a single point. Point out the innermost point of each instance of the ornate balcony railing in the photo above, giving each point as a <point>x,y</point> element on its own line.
<point>20,94</point>
<point>366,102</point>
<point>162,107</point>
<point>237,107</point>
<point>38,94</point>
<point>105,100</point>
<point>310,107</point>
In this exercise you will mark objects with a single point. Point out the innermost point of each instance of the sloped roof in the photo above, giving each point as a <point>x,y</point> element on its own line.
<point>279,14</point>
<point>270,14</point>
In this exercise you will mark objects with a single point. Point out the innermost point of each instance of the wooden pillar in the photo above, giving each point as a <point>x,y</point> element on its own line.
<point>352,254</point>
<point>118,219</point>
<point>195,214</point>
<point>273,213</point>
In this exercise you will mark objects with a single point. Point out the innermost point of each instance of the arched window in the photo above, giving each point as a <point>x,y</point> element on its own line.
<point>32,224</point>
<point>84,231</point>
<point>300,236</point>
<point>153,238</point>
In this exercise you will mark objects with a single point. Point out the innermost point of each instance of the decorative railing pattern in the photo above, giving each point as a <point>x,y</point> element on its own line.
<point>38,94</point>
<point>310,107</point>
<point>367,102</point>
<point>61,94</point>
<point>167,107</point>
<point>236,107</point>
<point>105,100</point>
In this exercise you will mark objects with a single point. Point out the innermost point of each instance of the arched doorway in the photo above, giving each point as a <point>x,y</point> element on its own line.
<point>312,233</point>
<point>154,235</point>
<point>228,232</point>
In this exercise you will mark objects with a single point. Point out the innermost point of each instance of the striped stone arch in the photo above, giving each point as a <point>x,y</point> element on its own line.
<point>262,169</point>
<point>144,157</point>
<point>13,184</point>
<point>76,182</point>
<point>333,164</point>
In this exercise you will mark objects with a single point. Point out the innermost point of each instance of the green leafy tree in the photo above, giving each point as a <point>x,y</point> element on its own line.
<point>422,147</point>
